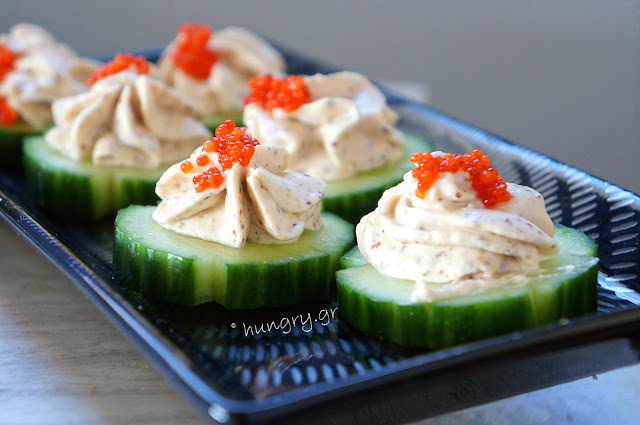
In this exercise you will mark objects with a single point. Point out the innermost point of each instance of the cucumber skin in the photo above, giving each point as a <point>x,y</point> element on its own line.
<point>439,325</point>
<point>413,324</point>
<point>247,285</point>
<point>85,196</point>
<point>49,190</point>
<point>11,147</point>
<point>177,274</point>
<point>443,324</point>
<point>174,281</point>
<point>352,206</point>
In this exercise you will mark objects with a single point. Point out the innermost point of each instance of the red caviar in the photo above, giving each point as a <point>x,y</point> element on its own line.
<point>233,146</point>
<point>191,53</point>
<point>7,61</point>
<point>8,115</point>
<point>485,180</point>
<point>288,93</point>
<point>118,64</point>
<point>212,178</point>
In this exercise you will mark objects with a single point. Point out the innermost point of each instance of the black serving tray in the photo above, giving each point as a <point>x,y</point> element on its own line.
<point>334,375</point>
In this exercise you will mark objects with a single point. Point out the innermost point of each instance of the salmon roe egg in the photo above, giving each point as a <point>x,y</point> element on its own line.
<point>191,53</point>
<point>8,115</point>
<point>118,64</point>
<point>202,160</point>
<point>186,166</point>
<point>485,180</point>
<point>288,93</point>
<point>233,146</point>
<point>7,61</point>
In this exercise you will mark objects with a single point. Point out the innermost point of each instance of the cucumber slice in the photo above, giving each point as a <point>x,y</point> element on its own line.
<point>11,145</point>
<point>352,258</point>
<point>573,241</point>
<point>164,265</point>
<point>564,287</point>
<point>353,197</point>
<point>79,190</point>
<point>213,122</point>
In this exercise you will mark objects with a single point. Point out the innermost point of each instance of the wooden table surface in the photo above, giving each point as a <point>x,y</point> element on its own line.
<point>62,362</point>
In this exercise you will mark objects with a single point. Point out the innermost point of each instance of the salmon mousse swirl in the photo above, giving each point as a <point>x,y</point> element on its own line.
<point>457,230</point>
<point>333,126</point>
<point>40,70</point>
<point>210,69</point>
<point>232,190</point>
<point>126,119</point>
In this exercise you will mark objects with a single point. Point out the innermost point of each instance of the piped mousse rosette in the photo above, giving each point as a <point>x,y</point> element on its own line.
<point>454,254</point>
<point>233,227</point>
<point>110,145</point>
<point>337,127</point>
<point>35,70</point>
<point>211,69</point>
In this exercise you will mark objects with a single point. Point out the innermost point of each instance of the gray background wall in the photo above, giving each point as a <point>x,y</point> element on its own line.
<point>562,77</point>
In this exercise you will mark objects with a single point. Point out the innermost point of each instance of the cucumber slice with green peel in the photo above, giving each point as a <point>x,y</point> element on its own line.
<point>213,122</point>
<point>573,241</point>
<point>353,197</point>
<point>11,145</point>
<point>80,190</point>
<point>162,264</point>
<point>563,287</point>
